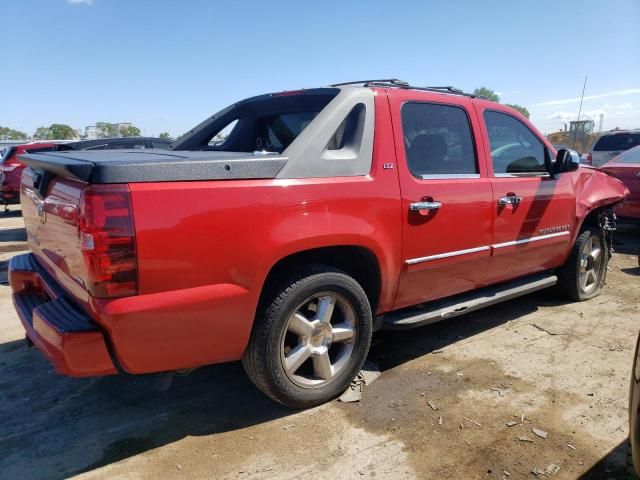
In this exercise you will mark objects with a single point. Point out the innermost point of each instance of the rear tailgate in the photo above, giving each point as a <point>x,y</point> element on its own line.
<point>78,213</point>
<point>52,230</point>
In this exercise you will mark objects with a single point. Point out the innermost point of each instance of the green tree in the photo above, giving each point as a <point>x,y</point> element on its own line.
<point>41,133</point>
<point>106,129</point>
<point>7,133</point>
<point>60,131</point>
<point>129,131</point>
<point>522,110</point>
<point>487,93</point>
<point>165,135</point>
<point>55,131</point>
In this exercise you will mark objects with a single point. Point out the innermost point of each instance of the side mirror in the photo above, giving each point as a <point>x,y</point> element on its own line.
<point>566,161</point>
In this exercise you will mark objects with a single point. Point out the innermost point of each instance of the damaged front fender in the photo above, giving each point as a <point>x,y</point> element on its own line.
<point>595,189</point>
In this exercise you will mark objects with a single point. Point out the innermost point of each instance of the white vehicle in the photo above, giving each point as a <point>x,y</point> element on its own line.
<point>611,144</point>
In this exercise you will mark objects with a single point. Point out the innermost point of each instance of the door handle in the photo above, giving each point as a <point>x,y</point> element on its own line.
<point>417,206</point>
<point>510,200</point>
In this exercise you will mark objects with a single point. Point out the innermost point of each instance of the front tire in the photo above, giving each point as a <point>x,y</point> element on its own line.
<point>310,338</point>
<point>583,276</point>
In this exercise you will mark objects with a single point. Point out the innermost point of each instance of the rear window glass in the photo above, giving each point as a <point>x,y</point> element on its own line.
<point>41,149</point>
<point>630,156</point>
<point>267,123</point>
<point>617,141</point>
<point>127,145</point>
<point>275,133</point>
<point>163,145</point>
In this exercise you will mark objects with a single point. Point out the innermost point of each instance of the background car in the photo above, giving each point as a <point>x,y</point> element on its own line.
<point>627,168</point>
<point>611,144</point>
<point>11,169</point>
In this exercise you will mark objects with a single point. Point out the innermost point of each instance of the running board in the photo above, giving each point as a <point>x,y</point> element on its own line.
<point>438,310</point>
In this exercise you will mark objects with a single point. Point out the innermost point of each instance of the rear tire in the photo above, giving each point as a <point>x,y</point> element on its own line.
<point>310,338</point>
<point>583,275</point>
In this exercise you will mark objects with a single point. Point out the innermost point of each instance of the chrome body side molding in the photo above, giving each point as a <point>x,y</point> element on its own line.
<point>455,253</point>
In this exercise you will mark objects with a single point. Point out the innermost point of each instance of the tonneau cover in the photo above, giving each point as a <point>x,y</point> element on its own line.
<point>155,165</point>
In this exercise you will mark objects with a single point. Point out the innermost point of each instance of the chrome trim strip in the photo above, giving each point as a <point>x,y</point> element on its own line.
<point>522,175</point>
<point>455,253</point>
<point>532,239</point>
<point>450,176</point>
<point>413,261</point>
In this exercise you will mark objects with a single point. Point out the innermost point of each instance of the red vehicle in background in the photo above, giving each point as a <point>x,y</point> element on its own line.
<point>626,167</point>
<point>11,170</point>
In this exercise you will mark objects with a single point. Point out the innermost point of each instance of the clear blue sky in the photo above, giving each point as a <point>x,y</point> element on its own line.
<point>167,64</point>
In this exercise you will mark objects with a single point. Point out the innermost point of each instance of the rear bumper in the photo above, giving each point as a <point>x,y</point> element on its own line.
<point>65,335</point>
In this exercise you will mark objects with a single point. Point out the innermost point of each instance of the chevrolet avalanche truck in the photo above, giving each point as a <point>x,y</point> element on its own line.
<point>286,228</point>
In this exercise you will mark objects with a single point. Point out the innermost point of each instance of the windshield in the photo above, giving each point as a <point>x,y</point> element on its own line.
<point>617,141</point>
<point>268,123</point>
<point>630,156</point>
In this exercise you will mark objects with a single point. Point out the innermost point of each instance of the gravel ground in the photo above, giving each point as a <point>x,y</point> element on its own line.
<point>459,399</point>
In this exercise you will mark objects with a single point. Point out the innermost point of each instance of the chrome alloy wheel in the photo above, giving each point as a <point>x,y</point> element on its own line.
<point>318,340</point>
<point>591,265</point>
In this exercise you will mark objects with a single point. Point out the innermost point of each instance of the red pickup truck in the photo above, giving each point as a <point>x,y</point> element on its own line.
<point>286,228</point>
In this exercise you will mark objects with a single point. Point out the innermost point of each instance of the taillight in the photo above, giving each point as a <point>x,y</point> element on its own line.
<point>9,167</point>
<point>589,159</point>
<point>107,241</point>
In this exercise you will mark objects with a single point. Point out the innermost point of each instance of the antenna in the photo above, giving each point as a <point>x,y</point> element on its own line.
<point>575,130</point>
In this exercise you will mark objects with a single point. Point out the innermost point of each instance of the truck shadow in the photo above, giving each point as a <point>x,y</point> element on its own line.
<point>55,427</point>
<point>612,465</point>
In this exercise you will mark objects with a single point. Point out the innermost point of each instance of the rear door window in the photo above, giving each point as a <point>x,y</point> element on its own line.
<point>514,148</point>
<point>617,141</point>
<point>437,140</point>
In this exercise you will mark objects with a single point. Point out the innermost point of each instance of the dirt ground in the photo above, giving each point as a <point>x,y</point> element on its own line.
<point>441,408</point>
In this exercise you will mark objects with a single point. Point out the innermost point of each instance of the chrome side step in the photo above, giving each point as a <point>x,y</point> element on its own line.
<point>437,310</point>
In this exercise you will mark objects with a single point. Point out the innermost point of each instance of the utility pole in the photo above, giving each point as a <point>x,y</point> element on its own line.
<point>575,130</point>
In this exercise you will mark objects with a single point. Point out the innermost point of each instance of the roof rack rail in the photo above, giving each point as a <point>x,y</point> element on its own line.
<point>391,81</point>
<point>394,82</point>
